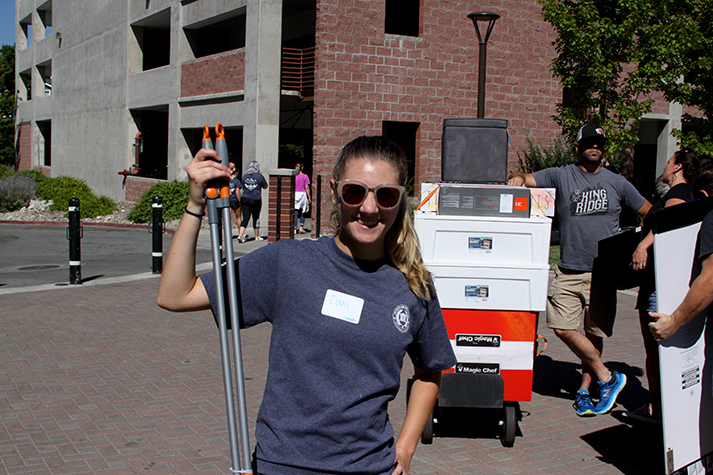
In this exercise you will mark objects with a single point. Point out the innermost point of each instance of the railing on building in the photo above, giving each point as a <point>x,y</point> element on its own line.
<point>298,71</point>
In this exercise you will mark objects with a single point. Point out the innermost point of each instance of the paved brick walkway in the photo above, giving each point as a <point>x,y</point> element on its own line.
<point>99,380</point>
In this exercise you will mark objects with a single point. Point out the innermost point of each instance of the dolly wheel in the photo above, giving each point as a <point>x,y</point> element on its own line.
<point>427,435</point>
<point>509,427</point>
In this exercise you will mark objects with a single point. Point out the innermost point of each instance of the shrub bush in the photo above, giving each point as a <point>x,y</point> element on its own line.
<point>35,174</point>
<point>61,189</point>
<point>16,191</point>
<point>5,171</point>
<point>538,157</point>
<point>174,194</point>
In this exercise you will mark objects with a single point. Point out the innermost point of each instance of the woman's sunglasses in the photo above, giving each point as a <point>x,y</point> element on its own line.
<point>353,193</point>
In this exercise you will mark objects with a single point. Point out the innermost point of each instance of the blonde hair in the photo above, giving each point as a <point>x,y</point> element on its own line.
<point>401,241</point>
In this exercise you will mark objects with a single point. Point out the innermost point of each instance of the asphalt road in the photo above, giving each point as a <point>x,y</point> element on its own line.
<point>36,256</point>
<point>33,255</point>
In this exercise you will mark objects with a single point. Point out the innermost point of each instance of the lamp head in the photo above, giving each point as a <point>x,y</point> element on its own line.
<point>489,17</point>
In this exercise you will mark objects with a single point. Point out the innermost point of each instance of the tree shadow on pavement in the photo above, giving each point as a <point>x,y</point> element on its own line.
<point>633,450</point>
<point>561,379</point>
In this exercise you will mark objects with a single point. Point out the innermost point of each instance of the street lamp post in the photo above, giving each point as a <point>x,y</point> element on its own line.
<point>490,18</point>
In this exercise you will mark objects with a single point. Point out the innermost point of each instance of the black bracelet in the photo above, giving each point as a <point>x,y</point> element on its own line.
<point>194,214</point>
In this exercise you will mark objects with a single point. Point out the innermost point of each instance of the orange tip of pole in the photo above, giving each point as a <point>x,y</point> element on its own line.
<point>206,133</point>
<point>211,192</point>
<point>219,131</point>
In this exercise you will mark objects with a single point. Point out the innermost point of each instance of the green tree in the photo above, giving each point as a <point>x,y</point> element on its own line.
<point>680,57</point>
<point>612,54</point>
<point>599,46</point>
<point>7,105</point>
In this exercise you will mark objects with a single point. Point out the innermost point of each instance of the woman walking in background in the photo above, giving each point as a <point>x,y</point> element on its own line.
<point>303,198</point>
<point>234,199</point>
<point>251,201</point>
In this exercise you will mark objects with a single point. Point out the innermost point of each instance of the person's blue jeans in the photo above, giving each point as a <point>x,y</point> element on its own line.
<point>299,217</point>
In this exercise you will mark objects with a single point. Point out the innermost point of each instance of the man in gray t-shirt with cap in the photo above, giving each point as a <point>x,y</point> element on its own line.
<point>589,202</point>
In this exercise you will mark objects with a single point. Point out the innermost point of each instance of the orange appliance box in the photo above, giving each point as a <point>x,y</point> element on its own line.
<point>495,342</point>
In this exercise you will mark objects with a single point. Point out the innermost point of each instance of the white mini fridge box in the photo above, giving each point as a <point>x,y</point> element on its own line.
<point>521,288</point>
<point>480,240</point>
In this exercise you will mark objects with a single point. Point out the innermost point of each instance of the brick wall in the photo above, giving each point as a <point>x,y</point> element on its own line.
<point>24,151</point>
<point>365,77</point>
<point>214,74</point>
<point>660,106</point>
<point>135,187</point>
<point>24,147</point>
<point>287,212</point>
<point>694,111</point>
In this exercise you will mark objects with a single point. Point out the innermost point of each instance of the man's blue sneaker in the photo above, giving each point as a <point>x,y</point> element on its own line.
<point>583,404</point>
<point>609,392</point>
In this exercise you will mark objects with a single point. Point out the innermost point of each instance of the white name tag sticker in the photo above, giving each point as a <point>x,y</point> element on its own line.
<point>342,306</point>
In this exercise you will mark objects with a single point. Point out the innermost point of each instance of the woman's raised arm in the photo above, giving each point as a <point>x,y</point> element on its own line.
<point>180,290</point>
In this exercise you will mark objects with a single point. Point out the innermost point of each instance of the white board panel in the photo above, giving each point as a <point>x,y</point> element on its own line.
<point>685,359</point>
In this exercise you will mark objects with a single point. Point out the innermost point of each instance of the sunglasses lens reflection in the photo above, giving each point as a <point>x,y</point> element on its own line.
<point>353,193</point>
<point>387,197</point>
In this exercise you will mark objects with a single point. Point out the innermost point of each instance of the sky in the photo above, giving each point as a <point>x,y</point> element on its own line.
<point>7,22</point>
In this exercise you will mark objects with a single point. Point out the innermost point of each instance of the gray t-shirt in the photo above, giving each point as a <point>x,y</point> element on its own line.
<point>340,330</point>
<point>588,207</point>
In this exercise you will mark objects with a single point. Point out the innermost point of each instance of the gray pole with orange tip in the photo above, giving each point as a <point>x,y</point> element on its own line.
<point>218,194</point>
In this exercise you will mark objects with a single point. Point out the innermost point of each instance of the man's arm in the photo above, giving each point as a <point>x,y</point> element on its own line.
<point>644,209</point>
<point>699,296</point>
<point>520,178</point>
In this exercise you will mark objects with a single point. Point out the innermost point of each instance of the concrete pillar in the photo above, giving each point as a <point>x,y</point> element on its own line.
<point>262,85</point>
<point>667,143</point>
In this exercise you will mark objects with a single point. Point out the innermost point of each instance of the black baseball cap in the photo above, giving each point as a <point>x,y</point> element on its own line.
<point>591,132</point>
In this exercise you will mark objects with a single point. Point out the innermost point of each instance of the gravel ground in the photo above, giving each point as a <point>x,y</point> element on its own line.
<point>37,211</point>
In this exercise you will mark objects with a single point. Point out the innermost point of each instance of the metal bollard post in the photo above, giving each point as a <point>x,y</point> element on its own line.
<point>319,207</point>
<point>74,235</point>
<point>157,229</point>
